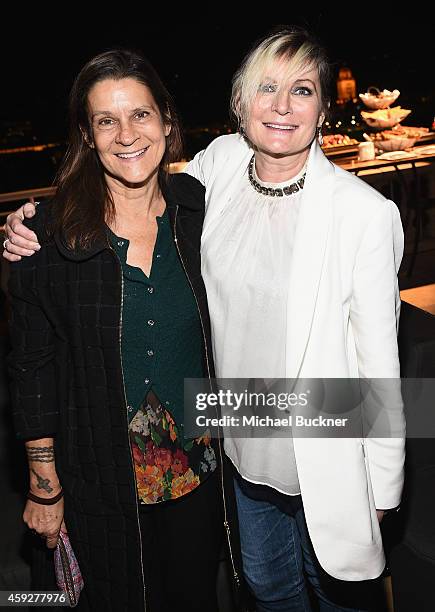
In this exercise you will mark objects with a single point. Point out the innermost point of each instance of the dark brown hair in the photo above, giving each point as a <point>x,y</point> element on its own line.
<point>83,202</point>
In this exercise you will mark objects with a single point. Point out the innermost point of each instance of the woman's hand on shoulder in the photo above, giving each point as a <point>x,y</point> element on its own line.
<point>20,241</point>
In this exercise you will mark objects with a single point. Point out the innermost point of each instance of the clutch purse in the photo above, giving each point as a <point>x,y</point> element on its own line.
<point>68,576</point>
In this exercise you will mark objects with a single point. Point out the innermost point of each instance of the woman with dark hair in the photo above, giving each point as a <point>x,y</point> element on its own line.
<point>108,319</point>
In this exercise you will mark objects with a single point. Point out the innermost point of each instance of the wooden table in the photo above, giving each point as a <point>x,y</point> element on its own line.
<point>417,160</point>
<point>412,193</point>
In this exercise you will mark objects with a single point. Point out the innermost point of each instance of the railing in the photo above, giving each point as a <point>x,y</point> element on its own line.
<point>30,195</point>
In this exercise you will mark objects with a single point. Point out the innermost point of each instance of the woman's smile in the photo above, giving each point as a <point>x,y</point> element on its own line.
<point>133,156</point>
<point>281,127</point>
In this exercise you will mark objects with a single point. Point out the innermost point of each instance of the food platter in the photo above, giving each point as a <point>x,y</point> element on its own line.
<point>340,149</point>
<point>337,144</point>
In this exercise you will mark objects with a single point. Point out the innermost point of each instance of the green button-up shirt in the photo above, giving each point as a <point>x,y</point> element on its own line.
<point>161,329</point>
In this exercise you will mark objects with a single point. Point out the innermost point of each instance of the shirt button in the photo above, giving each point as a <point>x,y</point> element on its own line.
<point>120,243</point>
<point>158,255</point>
<point>150,353</point>
<point>150,322</point>
<point>150,289</point>
<point>130,408</point>
<point>146,381</point>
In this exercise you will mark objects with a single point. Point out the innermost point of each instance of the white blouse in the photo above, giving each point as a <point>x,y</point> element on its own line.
<point>246,254</point>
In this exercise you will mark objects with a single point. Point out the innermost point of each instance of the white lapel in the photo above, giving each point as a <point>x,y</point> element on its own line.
<point>308,256</point>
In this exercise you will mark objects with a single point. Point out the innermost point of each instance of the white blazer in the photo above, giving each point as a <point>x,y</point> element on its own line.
<point>343,313</point>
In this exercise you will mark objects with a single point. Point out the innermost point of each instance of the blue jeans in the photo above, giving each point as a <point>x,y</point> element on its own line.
<point>277,554</point>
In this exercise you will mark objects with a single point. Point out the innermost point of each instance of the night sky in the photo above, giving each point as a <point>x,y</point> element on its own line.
<point>197,62</point>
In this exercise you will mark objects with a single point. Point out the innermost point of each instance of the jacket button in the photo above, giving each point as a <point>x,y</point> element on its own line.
<point>150,289</point>
<point>150,352</point>
<point>150,322</point>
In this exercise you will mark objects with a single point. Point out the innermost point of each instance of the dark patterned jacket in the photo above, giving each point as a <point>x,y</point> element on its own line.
<point>67,383</point>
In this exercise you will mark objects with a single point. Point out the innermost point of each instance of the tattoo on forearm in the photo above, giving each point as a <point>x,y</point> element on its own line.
<point>42,454</point>
<point>43,483</point>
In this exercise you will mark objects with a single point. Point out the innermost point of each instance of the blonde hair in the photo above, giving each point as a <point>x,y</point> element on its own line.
<point>295,45</point>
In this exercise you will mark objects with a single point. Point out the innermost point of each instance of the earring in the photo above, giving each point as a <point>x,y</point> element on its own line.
<point>319,135</point>
<point>88,142</point>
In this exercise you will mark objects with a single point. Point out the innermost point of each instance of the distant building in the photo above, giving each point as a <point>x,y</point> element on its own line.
<point>346,86</point>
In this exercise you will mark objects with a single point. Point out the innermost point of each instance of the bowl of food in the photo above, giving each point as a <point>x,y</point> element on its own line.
<point>398,138</point>
<point>407,131</point>
<point>376,99</point>
<point>385,118</point>
<point>395,143</point>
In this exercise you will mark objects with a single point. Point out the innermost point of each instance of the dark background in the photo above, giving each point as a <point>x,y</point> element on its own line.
<point>196,62</point>
<point>392,49</point>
